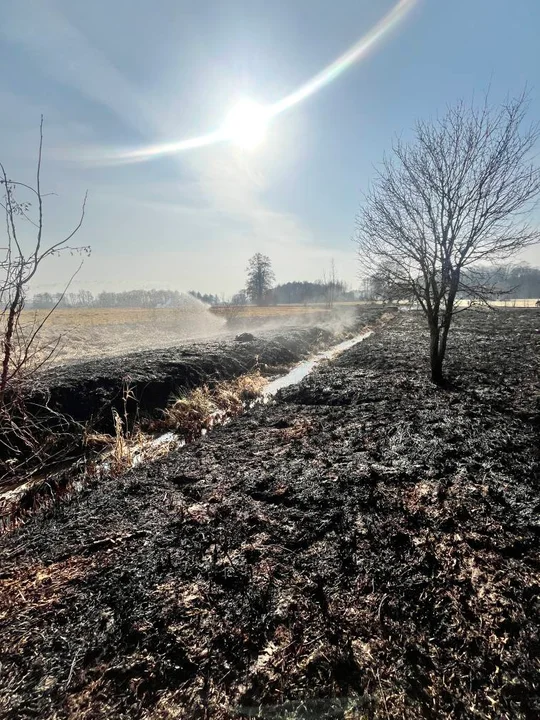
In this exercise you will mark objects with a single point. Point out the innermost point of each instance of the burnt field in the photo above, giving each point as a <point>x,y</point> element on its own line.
<point>65,406</point>
<point>81,334</point>
<point>364,547</point>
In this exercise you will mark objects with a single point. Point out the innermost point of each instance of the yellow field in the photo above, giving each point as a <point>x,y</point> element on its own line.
<point>92,317</point>
<point>97,332</point>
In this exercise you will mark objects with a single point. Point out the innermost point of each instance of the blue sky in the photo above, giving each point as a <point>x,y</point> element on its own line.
<point>122,74</point>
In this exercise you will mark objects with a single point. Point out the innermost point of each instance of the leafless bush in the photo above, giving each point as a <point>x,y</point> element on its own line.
<point>22,348</point>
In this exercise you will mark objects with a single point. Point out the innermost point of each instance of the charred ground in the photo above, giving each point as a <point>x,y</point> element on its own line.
<point>87,391</point>
<point>365,547</point>
<point>61,407</point>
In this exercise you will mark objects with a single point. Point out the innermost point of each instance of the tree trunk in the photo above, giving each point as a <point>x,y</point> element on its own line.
<point>438,340</point>
<point>435,356</point>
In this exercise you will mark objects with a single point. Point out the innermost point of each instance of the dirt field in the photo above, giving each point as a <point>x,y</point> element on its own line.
<point>365,547</point>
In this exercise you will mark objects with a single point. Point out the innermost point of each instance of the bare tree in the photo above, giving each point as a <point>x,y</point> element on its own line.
<point>332,288</point>
<point>260,278</point>
<point>22,349</point>
<point>455,197</point>
<point>385,285</point>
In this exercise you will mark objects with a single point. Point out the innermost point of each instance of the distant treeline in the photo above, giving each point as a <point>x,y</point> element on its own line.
<point>310,292</point>
<point>129,298</point>
<point>297,292</point>
<point>289,293</point>
<point>519,281</point>
<point>503,282</point>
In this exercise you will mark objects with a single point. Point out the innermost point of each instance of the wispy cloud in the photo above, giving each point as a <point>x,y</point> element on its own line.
<point>63,52</point>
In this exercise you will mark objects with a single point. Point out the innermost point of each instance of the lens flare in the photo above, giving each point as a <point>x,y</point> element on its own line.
<point>247,122</point>
<point>344,62</point>
<point>170,148</point>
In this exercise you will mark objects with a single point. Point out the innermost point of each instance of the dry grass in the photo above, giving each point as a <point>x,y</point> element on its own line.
<point>39,585</point>
<point>99,332</point>
<point>124,450</point>
<point>200,409</point>
<point>191,413</point>
<point>63,318</point>
<point>121,448</point>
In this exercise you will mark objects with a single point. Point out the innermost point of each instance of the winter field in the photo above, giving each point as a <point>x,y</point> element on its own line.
<point>84,333</point>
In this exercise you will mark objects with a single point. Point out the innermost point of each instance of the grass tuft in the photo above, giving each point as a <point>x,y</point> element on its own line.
<point>201,408</point>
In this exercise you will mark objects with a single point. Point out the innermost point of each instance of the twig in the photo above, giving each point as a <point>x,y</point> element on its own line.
<point>382,693</point>
<point>379,611</point>
<point>77,653</point>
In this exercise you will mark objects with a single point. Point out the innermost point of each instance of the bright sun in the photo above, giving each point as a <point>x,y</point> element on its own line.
<point>246,124</point>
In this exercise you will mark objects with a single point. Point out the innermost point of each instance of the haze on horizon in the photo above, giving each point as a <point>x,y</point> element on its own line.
<point>207,132</point>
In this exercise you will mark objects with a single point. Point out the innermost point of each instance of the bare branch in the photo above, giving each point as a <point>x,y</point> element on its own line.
<point>22,352</point>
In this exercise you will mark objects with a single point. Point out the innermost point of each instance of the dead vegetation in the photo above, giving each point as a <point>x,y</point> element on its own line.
<point>206,406</point>
<point>27,439</point>
<point>364,547</point>
<point>111,455</point>
<point>118,451</point>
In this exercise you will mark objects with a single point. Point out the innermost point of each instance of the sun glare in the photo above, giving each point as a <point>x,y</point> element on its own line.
<point>246,124</point>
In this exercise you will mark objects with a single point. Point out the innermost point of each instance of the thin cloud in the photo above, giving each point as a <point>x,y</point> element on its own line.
<point>65,54</point>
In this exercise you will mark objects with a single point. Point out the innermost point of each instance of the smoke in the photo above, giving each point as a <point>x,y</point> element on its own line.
<point>92,333</point>
<point>339,319</point>
<point>95,332</point>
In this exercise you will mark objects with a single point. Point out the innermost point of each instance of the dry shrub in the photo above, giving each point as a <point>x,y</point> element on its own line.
<point>120,448</point>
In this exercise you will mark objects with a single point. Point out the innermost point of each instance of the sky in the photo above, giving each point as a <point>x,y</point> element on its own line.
<point>115,79</point>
